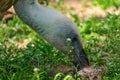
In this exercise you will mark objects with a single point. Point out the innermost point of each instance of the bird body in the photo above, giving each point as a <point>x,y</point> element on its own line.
<point>54,27</point>
<point>50,24</point>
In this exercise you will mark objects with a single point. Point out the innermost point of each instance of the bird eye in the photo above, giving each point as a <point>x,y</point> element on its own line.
<point>73,37</point>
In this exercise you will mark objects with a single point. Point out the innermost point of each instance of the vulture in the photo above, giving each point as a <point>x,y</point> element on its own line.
<point>53,27</point>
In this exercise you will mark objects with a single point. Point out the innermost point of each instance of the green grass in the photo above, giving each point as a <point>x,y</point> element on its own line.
<point>102,43</point>
<point>107,3</point>
<point>101,40</point>
<point>19,64</point>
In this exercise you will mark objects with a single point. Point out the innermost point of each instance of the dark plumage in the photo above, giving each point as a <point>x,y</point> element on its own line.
<point>54,27</point>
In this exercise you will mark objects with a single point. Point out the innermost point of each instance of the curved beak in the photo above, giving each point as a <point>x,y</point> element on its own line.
<point>81,59</point>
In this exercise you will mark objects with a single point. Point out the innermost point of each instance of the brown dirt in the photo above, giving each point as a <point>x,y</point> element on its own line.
<point>85,10</point>
<point>8,15</point>
<point>63,69</point>
<point>23,43</point>
<point>91,73</point>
